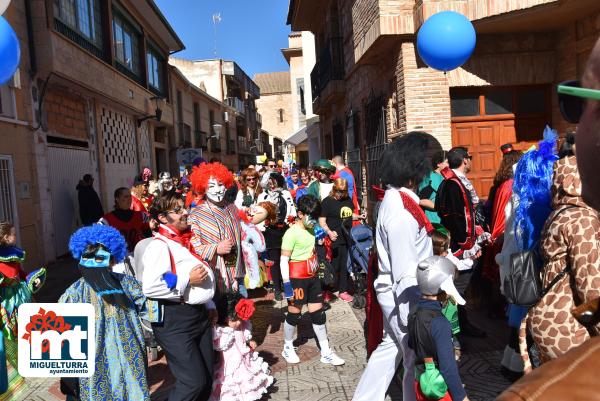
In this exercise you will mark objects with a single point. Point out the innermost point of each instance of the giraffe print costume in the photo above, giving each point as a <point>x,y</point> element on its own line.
<point>572,238</point>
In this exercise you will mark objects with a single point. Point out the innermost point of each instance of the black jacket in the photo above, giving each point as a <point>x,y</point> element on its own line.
<point>450,206</point>
<point>90,207</point>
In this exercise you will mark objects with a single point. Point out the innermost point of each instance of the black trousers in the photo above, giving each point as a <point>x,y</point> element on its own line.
<point>274,255</point>
<point>339,259</point>
<point>186,338</point>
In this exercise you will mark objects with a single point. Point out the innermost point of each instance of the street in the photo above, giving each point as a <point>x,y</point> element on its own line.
<point>310,380</point>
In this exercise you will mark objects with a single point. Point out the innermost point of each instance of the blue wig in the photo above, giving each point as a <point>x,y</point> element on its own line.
<point>532,183</point>
<point>98,234</point>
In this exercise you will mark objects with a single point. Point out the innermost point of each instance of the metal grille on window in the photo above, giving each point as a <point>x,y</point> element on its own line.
<point>119,140</point>
<point>145,146</point>
<point>81,21</point>
<point>353,150</point>
<point>376,135</point>
<point>8,207</point>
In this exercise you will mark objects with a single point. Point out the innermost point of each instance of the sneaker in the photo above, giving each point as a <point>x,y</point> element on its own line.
<point>332,359</point>
<point>344,296</point>
<point>278,296</point>
<point>290,356</point>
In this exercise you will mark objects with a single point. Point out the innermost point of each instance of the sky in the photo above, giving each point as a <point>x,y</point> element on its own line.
<point>251,32</point>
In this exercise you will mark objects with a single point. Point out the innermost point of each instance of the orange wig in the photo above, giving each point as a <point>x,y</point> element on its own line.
<point>204,172</point>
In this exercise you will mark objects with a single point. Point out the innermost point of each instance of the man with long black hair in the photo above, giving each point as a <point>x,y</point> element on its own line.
<point>403,241</point>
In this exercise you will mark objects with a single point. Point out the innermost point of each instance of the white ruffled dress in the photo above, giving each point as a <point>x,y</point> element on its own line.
<point>240,374</point>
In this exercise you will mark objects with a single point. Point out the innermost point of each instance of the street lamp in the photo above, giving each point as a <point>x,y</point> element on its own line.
<point>157,112</point>
<point>217,130</point>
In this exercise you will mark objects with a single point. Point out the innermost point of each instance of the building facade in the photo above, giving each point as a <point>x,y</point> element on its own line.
<point>275,106</point>
<point>227,82</point>
<point>370,86</point>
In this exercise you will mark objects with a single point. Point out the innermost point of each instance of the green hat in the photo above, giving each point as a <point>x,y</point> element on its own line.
<point>325,165</point>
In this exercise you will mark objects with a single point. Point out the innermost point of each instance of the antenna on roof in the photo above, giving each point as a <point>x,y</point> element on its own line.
<point>216,17</point>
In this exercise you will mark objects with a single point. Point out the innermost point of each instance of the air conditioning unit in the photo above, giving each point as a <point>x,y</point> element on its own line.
<point>225,116</point>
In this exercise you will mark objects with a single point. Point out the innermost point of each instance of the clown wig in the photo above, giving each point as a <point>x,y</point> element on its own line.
<point>532,183</point>
<point>95,234</point>
<point>205,172</point>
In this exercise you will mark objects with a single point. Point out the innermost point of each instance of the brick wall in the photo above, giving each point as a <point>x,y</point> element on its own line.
<point>65,114</point>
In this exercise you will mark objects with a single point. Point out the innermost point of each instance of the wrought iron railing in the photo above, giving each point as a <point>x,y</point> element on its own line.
<point>237,104</point>
<point>329,66</point>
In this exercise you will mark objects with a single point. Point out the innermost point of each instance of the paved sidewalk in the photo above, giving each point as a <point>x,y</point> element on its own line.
<point>310,380</point>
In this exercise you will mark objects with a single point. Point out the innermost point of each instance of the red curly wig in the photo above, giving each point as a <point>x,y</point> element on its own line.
<point>201,174</point>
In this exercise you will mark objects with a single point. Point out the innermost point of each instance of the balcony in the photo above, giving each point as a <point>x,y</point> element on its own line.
<point>258,119</point>
<point>243,145</point>
<point>237,104</point>
<point>200,139</point>
<point>327,77</point>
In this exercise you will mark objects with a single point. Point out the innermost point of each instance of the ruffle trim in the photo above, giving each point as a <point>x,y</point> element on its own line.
<point>234,388</point>
<point>223,338</point>
<point>11,254</point>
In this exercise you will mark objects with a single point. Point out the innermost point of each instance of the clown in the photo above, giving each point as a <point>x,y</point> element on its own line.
<point>216,228</point>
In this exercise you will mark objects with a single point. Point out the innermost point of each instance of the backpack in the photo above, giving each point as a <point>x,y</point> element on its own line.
<point>523,283</point>
<point>281,208</point>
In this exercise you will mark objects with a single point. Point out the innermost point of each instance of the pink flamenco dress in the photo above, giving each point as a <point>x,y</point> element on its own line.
<point>240,374</point>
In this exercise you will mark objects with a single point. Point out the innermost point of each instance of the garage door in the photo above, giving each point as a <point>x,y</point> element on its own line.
<point>67,166</point>
<point>120,154</point>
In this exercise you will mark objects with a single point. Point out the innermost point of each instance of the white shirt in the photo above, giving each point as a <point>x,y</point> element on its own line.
<point>401,245</point>
<point>156,261</point>
<point>325,189</point>
<point>273,197</point>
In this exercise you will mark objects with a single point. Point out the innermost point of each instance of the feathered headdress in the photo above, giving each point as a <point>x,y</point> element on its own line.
<point>201,174</point>
<point>532,183</point>
<point>112,240</point>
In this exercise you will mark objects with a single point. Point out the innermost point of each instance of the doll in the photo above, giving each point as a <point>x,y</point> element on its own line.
<point>253,241</point>
<point>240,374</point>
<point>16,288</point>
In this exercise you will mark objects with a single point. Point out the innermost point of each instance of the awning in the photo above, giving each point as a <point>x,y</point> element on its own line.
<point>297,137</point>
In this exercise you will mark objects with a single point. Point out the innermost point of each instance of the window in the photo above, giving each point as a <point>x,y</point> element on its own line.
<point>196,116</point>
<point>532,101</point>
<point>280,115</point>
<point>7,101</point>
<point>155,70</point>
<point>499,102</point>
<point>126,44</point>
<point>464,104</point>
<point>81,16</point>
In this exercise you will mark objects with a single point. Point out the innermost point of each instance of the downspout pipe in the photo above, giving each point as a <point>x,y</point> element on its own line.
<point>31,42</point>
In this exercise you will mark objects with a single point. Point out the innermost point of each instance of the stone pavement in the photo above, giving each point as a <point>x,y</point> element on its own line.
<point>310,380</point>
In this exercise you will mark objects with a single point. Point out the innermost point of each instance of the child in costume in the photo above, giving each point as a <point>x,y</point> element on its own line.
<point>16,288</point>
<point>253,241</point>
<point>240,373</point>
<point>119,303</point>
<point>430,333</point>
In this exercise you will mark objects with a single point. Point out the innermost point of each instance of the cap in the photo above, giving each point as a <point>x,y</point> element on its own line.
<point>435,274</point>
<point>506,148</point>
<point>323,164</point>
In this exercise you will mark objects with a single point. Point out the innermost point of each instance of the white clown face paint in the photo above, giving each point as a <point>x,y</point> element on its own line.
<point>215,191</point>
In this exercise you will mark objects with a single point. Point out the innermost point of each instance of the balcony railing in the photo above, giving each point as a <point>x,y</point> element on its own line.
<point>200,139</point>
<point>329,66</point>
<point>243,146</point>
<point>258,118</point>
<point>237,104</point>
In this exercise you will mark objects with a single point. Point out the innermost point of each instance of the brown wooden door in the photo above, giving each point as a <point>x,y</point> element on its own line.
<point>483,139</point>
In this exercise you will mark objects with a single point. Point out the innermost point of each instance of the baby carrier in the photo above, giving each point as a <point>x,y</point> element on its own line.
<point>360,242</point>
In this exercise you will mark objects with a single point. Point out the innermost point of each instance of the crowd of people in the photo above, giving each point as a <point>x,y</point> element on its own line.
<point>178,259</point>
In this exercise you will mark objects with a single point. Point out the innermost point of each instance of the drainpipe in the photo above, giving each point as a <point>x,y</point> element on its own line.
<point>32,55</point>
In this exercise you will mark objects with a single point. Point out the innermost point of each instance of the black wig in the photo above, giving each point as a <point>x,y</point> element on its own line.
<point>407,160</point>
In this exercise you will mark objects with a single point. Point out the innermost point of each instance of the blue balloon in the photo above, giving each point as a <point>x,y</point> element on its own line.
<point>446,40</point>
<point>10,53</point>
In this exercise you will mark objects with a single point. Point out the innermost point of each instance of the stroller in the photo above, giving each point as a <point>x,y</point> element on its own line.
<point>360,242</point>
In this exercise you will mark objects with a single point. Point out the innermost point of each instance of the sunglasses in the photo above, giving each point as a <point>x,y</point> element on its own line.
<point>571,99</point>
<point>250,179</point>
<point>271,165</point>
